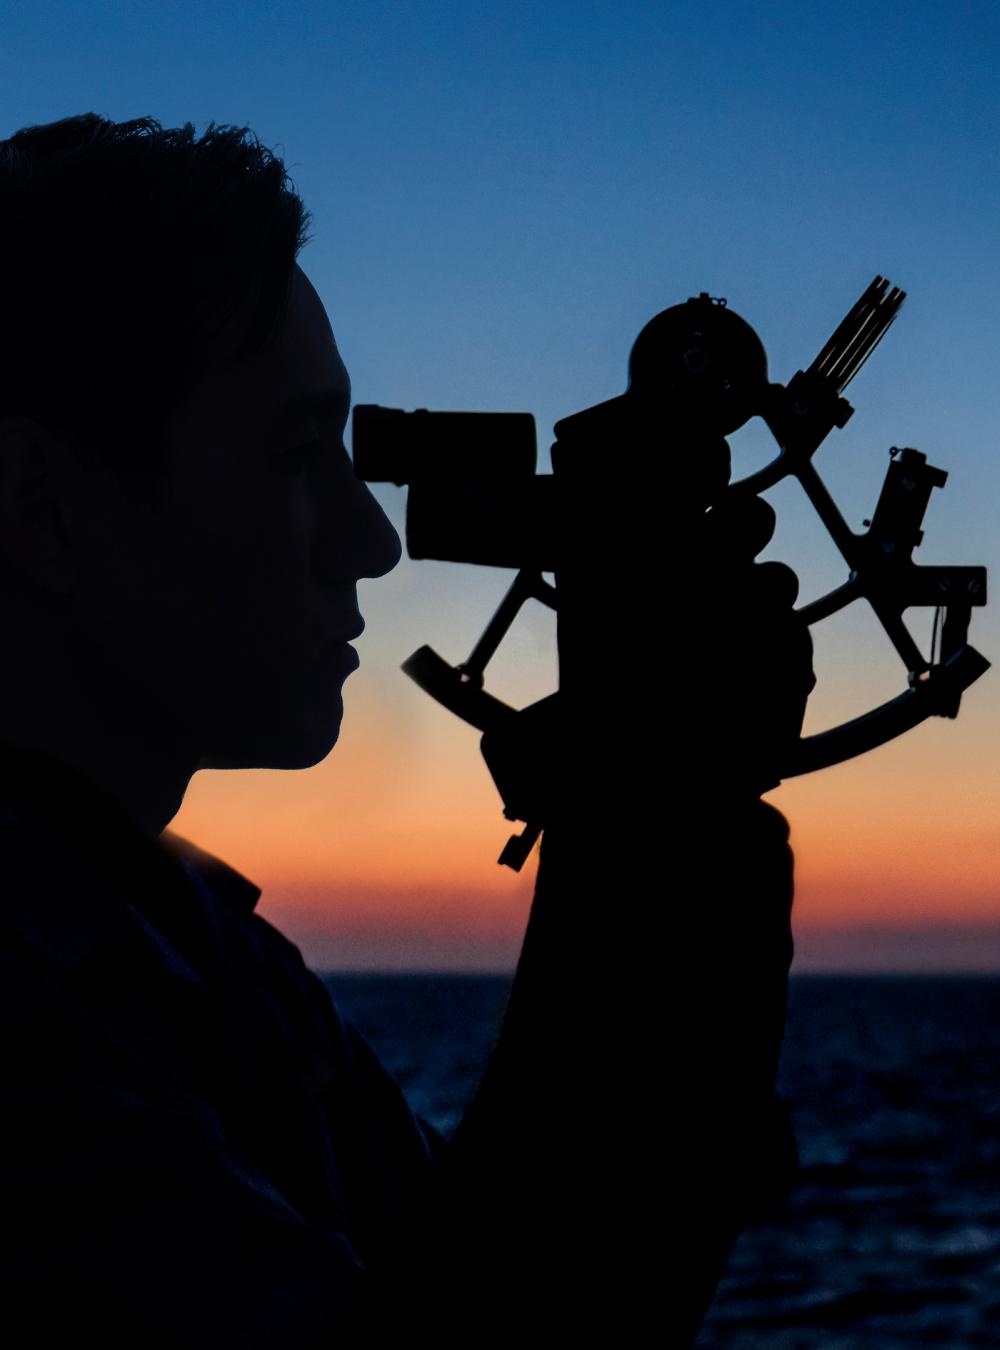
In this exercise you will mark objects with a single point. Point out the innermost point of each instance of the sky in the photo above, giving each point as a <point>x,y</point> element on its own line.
<point>502,196</point>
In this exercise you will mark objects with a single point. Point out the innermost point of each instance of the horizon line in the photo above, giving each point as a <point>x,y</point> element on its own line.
<point>859,973</point>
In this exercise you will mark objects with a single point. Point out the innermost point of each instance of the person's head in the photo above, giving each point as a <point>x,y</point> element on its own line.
<point>174,526</point>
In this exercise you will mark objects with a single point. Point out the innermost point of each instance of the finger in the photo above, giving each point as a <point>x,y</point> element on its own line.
<point>775,585</point>
<point>716,465</point>
<point>738,528</point>
<point>699,466</point>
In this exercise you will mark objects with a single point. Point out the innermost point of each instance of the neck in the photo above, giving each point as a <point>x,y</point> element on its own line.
<point>96,722</point>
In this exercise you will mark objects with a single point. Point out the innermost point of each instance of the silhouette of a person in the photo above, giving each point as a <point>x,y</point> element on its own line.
<point>199,1150</point>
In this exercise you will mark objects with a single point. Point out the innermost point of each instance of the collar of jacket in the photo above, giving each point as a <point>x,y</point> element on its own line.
<point>77,875</point>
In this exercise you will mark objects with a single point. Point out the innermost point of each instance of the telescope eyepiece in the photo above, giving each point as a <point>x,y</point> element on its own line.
<point>392,446</point>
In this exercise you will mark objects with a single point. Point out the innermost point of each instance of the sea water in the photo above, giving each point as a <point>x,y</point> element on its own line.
<point>892,1237</point>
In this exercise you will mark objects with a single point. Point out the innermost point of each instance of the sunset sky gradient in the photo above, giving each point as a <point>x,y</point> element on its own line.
<point>502,196</point>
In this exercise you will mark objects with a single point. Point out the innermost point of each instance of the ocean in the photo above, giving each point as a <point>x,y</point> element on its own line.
<point>892,1237</point>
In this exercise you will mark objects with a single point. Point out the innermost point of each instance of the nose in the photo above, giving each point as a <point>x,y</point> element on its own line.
<point>381,544</point>
<point>356,538</point>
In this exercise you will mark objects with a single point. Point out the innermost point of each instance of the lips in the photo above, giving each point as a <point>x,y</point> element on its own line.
<point>338,639</point>
<point>347,656</point>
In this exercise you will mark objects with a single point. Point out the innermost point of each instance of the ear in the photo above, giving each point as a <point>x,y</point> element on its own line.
<point>34,504</point>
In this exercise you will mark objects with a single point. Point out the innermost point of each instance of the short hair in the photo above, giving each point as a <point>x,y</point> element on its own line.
<point>124,248</point>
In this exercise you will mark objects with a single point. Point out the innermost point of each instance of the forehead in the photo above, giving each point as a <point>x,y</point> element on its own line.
<point>305,331</point>
<point>300,371</point>
<point>303,358</point>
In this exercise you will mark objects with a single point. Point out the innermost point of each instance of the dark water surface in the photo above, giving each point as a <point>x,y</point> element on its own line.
<point>433,1032</point>
<point>892,1238</point>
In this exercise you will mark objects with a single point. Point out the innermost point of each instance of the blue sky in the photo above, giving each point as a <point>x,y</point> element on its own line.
<point>503,194</point>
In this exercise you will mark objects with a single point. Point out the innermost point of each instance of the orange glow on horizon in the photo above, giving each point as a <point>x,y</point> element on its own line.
<point>385,853</point>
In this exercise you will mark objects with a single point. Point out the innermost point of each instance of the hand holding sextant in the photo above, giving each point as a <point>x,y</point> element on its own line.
<point>475,497</point>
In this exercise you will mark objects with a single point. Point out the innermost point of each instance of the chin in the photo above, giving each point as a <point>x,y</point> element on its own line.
<point>280,748</point>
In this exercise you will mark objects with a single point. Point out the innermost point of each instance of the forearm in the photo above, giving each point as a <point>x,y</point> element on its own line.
<point>634,1074</point>
<point>628,961</point>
